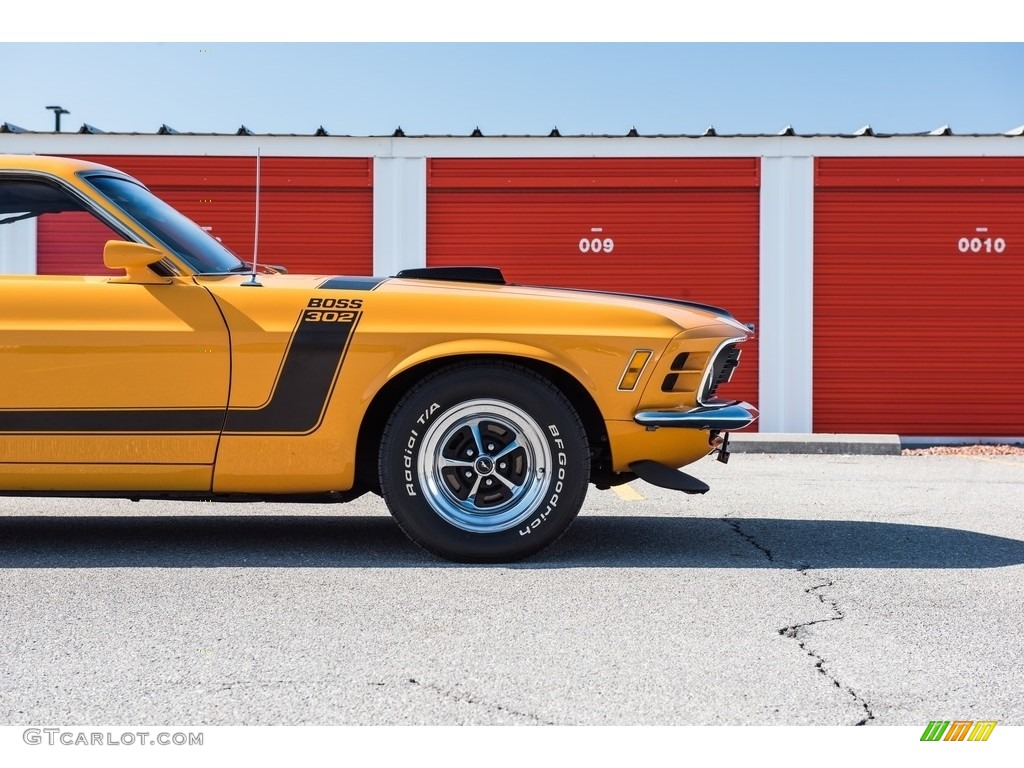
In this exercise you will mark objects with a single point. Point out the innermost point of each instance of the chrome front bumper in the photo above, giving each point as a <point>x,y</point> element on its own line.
<point>721,416</point>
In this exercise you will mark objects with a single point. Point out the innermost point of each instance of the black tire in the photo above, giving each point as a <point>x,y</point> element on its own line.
<point>484,463</point>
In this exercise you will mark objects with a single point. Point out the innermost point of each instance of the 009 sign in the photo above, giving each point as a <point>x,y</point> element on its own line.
<point>596,245</point>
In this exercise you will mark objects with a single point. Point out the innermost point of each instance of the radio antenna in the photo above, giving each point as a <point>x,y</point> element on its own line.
<point>252,281</point>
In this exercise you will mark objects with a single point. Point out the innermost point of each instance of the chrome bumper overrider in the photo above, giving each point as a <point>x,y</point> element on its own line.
<point>719,416</point>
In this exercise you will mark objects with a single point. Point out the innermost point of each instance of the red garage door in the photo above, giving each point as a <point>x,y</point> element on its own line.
<point>316,214</point>
<point>679,227</point>
<point>918,284</point>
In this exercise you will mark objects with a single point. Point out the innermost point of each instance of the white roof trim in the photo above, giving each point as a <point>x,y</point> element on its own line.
<point>512,147</point>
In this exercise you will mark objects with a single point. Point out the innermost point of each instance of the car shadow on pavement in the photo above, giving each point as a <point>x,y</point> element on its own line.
<point>251,541</point>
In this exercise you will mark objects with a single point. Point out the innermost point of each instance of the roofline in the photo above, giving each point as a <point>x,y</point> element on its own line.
<point>707,133</point>
<point>865,145</point>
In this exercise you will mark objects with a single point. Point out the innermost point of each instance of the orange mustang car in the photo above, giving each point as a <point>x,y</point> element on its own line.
<point>478,409</point>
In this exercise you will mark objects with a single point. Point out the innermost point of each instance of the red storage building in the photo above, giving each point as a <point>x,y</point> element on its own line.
<point>919,295</point>
<point>316,213</point>
<point>684,228</point>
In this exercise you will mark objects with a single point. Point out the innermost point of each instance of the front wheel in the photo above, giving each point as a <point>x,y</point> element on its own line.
<point>484,463</point>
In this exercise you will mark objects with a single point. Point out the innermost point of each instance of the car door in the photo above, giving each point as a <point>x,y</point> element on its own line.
<point>106,384</point>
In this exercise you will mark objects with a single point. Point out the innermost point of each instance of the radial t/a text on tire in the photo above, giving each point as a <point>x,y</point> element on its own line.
<point>484,462</point>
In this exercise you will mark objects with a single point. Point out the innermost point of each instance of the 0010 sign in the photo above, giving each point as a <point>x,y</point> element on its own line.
<point>978,245</point>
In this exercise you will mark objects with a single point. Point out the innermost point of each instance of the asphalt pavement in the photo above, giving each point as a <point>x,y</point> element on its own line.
<point>824,589</point>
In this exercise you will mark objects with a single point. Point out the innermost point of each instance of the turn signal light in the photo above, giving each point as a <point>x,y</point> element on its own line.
<point>635,367</point>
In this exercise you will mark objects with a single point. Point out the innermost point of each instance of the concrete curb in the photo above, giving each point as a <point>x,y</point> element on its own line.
<point>862,445</point>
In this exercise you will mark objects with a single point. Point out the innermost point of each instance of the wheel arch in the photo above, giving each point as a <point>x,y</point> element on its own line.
<point>384,402</point>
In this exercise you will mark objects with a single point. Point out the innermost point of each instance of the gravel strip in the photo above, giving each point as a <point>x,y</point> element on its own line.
<point>966,450</point>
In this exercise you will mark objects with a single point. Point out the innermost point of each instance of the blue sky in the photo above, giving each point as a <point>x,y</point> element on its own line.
<point>515,88</point>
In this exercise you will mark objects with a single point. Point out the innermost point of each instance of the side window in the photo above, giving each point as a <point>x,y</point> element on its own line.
<point>45,230</point>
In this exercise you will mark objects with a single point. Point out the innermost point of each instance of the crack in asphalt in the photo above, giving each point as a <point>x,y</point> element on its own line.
<point>749,539</point>
<point>794,631</point>
<point>467,699</point>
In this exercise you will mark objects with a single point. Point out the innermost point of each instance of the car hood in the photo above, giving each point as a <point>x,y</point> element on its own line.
<point>686,314</point>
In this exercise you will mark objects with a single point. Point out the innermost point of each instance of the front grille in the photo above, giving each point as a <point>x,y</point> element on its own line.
<point>722,369</point>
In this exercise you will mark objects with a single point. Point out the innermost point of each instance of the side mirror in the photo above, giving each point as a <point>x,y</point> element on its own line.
<point>134,259</point>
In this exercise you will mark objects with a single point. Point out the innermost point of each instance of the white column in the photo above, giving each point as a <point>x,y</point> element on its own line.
<point>786,332</point>
<point>399,214</point>
<point>18,248</point>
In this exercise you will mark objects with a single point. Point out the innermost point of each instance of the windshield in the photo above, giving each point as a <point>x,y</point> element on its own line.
<point>176,232</point>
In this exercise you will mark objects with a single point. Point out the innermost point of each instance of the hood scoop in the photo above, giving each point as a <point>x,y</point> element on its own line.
<point>489,275</point>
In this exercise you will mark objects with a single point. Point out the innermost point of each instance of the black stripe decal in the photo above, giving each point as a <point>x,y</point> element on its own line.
<point>304,385</point>
<point>305,382</point>
<point>192,421</point>
<point>351,283</point>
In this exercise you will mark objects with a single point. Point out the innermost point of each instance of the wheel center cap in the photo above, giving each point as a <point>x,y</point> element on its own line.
<point>484,465</point>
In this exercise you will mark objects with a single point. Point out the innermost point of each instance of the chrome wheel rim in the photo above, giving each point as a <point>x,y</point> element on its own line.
<point>483,465</point>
